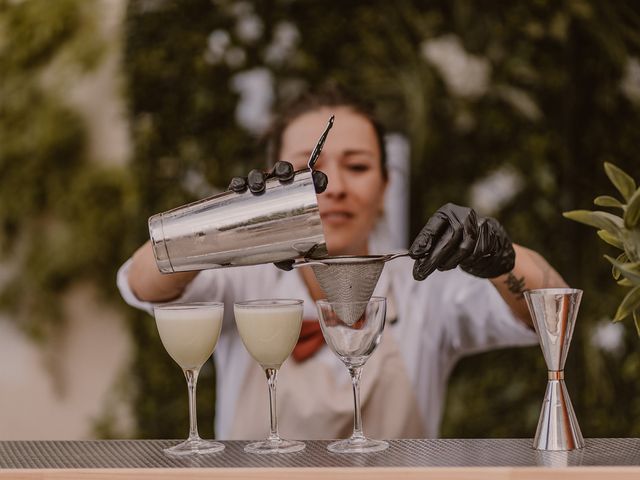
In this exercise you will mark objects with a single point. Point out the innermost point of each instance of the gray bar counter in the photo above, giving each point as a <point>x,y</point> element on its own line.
<point>442,458</point>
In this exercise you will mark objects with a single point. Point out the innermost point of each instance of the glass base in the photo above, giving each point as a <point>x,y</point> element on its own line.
<point>357,445</point>
<point>275,446</point>
<point>194,447</point>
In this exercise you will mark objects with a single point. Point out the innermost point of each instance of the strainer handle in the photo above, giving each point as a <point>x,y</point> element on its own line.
<point>383,258</point>
<point>302,263</point>
<point>393,256</point>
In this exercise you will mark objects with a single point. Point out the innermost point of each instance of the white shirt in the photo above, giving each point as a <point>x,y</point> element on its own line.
<point>439,320</point>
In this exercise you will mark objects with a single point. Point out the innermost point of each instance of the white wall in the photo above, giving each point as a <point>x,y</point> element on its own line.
<point>58,389</point>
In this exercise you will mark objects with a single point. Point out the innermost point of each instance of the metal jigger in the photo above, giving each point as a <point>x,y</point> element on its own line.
<point>554,312</point>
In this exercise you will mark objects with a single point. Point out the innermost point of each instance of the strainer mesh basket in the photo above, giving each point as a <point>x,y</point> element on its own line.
<point>348,282</point>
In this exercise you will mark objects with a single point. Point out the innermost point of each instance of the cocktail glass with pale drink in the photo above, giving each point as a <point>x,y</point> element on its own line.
<point>353,338</point>
<point>269,330</point>
<point>189,333</point>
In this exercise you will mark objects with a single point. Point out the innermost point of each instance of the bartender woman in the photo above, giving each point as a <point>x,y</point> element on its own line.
<point>459,293</point>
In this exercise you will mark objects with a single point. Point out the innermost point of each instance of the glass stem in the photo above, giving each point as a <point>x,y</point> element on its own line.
<point>355,373</point>
<point>272,375</point>
<point>192,379</point>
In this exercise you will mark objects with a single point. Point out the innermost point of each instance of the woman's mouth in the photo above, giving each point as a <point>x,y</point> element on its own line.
<point>336,217</point>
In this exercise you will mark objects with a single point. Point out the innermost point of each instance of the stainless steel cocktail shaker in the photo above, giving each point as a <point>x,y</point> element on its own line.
<point>232,229</point>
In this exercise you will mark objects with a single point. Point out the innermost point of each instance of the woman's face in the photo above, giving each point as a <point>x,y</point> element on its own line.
<point>350,158</point>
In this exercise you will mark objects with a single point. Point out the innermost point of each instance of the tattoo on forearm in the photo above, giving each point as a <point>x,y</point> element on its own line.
<point>515,285</point>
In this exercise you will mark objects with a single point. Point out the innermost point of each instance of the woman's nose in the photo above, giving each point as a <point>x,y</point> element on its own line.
<point>336,186</point>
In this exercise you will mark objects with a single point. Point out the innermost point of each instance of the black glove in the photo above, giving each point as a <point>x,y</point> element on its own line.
<point>454,236</point>
<point>256,179</point>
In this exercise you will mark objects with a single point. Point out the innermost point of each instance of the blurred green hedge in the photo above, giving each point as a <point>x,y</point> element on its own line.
<point>551,108</point>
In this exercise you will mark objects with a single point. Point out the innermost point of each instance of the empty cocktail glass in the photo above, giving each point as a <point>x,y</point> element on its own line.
<point>353,339</point>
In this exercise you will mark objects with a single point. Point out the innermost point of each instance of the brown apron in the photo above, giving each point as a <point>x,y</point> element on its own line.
<point>315,399</point>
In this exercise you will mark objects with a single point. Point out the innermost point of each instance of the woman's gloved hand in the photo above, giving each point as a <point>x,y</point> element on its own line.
<point>454,236</point>
<point>256,179</point>
<point>255,182</point>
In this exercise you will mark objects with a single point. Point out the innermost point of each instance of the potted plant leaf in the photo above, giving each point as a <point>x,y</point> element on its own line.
<point>623,232</point>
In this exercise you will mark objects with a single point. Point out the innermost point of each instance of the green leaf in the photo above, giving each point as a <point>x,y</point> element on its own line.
<point>629,303</point>
<point>631,240</point>
<point>602,220</point>
<point>625,282</point>
<point>622,181</point>
<point>632,214</point>
<point>628,270</point>
<point>622,258</point>
<point>611,239</point>
<point>607,201</point>
<point>636,320</point>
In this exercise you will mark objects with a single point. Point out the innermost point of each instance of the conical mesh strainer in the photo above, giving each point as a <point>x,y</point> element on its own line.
<point>349,281</point>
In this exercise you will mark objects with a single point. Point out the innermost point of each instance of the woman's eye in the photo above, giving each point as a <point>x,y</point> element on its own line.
<point>358,167</point>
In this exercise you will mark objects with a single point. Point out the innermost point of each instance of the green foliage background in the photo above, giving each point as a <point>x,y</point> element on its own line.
<point>565,58</point>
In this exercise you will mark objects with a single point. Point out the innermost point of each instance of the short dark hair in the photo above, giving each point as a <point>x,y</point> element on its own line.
<point>310,101</point>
